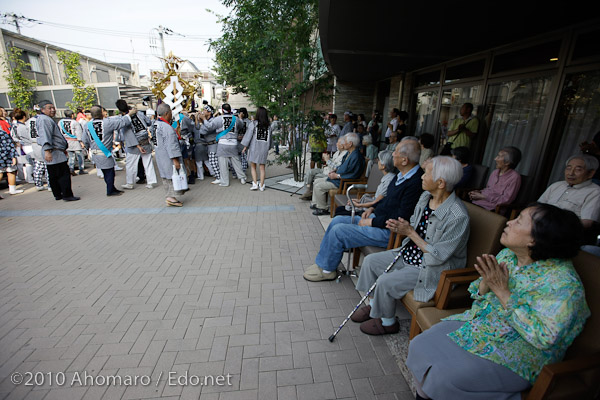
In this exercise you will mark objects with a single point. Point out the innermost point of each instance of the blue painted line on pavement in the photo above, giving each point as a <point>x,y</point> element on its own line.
<point>159,210</point>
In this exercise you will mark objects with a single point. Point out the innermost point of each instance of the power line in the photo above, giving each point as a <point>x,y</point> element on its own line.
<point>118,51</point>
<point>101,31</point>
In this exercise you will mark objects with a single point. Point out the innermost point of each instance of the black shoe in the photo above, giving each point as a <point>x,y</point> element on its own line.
<point>58,198</point>
<point>115,193</point>
<point>191,180</point>
<point>320,211</point>
<point>313,206</point>
<point>141,181</point>
<point>72,198</point>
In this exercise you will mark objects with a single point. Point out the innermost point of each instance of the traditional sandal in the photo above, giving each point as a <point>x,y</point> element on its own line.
<point>174,203</point>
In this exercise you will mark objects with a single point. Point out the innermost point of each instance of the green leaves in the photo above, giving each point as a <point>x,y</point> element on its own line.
<point>83,96</point>
<point>269,51</point>
<point>20,87</point>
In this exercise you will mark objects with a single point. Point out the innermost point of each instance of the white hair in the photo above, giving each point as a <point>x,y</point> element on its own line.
<point>354,138</point>
<point>409,138</point>
<point>162,109</point>
<point>591,163</point>
<point>448,169</point>
<point>342,140</point>
<point>367,139</point>
<point>411,149</point>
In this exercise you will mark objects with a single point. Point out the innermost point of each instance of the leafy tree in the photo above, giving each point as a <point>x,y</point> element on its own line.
<point>83,96</point>
<point>270,51</point>
<point>20,87</point>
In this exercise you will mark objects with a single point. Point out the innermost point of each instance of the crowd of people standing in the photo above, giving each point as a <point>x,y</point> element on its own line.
<point>41,149</point>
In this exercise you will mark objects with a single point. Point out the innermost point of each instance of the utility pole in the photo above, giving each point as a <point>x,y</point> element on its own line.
<point>15,20</point>
<point>161,31</point>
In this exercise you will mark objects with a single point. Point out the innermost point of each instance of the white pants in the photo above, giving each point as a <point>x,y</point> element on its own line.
<point>200,169</point>
<point>224,169</point>
<point>131,164</point>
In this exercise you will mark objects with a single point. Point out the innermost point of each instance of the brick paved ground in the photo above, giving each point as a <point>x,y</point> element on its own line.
<point>124,286</point>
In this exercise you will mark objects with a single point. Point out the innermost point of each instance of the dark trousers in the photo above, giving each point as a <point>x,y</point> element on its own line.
<point>141,172</point>
<point>109,178</point>
<point>59,176</point>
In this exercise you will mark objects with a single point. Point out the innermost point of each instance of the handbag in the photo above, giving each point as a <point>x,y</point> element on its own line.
<point>180,182</point>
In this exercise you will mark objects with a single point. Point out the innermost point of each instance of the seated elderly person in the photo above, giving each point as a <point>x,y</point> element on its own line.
<point>331,164</point>
<point>504,182</point>
<point>387,167</point>
<point>351,168</point>
<point>529,305</point>
<point>393,141</point>
<point>436,240</point>
<point>402,195</point>
<point>577,192</point>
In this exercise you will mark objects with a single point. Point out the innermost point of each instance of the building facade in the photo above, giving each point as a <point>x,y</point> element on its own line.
<point>111,81</point>
<point>535,87</point>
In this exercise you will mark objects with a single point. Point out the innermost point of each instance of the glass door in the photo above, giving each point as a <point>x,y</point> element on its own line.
<point>426,118</point>
<point>515,113</point>
<point>452,101</point>
<point>578,118</point>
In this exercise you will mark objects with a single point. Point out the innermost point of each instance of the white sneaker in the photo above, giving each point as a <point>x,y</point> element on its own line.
<point>117,168</point>
<point>137,179</point>
<point>127,186</point>
<point>262,188</point>
<point>16,191</point>
<point>40,188</point>
<point>223,185</point>
<point>49,189</point>
<point>216,182</point>
<point>254,186</point>
<point>243,181</point>
<point>150,186</point>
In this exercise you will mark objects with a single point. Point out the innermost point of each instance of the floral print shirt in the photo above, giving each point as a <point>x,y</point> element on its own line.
<point>7,150</point>
<point>545,313</point>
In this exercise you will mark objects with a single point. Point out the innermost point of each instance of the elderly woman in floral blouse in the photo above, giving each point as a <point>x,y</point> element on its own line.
<point>529,306</point>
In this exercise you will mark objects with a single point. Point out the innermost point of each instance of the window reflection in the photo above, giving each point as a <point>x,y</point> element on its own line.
<point>578,119</point>
<point>515,113</point>
<point>426,112</point>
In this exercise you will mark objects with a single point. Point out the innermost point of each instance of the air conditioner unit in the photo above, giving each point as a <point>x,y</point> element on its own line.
<point>121,79</point>
<point>92,68</point>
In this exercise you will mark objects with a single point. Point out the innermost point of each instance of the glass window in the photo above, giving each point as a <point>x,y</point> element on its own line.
<point>4,100</point>
<point>426,112</point>
<point>428,78</point>
<point>578,119</point>
<point>472,69</point>
<point>108,95</point>
<point>35,62</point>
<point>102,75</point>
<point>62,97</point>
<point>535,56</point>
<point>515,113</point>
<point>452,101</point>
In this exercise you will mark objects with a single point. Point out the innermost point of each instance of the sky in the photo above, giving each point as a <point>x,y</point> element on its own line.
<point>121,31</point>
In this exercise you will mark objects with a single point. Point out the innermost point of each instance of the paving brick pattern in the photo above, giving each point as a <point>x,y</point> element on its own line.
<point>191,294</point>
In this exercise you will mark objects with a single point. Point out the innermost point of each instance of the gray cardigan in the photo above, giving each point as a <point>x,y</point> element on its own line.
<point>446,237</point>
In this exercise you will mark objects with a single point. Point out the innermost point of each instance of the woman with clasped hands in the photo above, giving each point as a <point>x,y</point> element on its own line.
<point>529,306</point>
